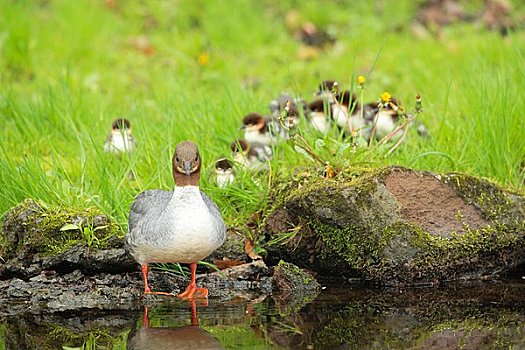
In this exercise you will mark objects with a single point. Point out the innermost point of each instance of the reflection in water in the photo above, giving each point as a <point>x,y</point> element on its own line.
<point>480,316</point>
<point>190,337</point>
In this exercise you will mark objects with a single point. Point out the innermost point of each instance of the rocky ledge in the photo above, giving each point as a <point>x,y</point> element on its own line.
<point>48,262</point>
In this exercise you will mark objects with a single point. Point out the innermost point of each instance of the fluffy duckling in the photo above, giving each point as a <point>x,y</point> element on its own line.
<point>224,173</point>
<point>319,116</point>
<point>257,130</point>
<point>385,119</point>
<point>253,156</point>
<point>120,139</point>
<point>346,113</point>
<point>328,90</point>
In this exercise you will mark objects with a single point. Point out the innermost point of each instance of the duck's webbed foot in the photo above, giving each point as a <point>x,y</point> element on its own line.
<point>192,292</point>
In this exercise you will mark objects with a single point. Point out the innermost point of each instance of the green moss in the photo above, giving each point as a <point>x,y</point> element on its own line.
<point>32,228</point>
<point>342,330</point>
<point>3,336</point>
<point>286,187</point>
<point>357,246</point>
<point>239,337</point>
<point>494,201</point>
<point>293,288</point>
<point>298,278</point>
<point>31,335</point>
<point>372,249</point>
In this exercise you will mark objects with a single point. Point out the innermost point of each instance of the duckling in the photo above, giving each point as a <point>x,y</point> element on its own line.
<point>253,156</point>
<point>256,129</point>
<point>267,130</point>
<point>179,226</point>
<point>327,90</point>
<point>120,139</point>
<point>224,172</point>
<point>346,113</point>
<point>385,119</point>
<point>319,116</point>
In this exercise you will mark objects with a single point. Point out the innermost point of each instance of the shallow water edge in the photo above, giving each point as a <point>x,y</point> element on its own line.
<point>474,316</point>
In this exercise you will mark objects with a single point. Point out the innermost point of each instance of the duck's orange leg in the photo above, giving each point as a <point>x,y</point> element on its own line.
<point>192,291</point>
<point>194,319</point>
<point>147,290</point>
<point>145,320</point>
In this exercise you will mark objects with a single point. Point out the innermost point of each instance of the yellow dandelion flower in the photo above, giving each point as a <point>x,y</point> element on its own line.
<point>385,97</point>
<point>361,80</point>
<point>203,58</point>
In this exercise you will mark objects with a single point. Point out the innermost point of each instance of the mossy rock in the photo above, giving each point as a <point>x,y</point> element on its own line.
<point>397,226</point>
<point>32,231</point>
<point>293,287</point>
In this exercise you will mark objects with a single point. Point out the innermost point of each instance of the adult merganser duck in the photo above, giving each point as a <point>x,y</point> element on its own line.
<point>179,226</point>
<point>120,138</point>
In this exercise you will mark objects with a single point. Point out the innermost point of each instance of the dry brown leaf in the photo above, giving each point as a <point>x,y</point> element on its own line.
<point>227,263</point>
<point>248,248</point>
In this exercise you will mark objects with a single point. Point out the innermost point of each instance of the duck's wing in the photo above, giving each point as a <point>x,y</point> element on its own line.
<point>214,210</point>
<point>147,202</point>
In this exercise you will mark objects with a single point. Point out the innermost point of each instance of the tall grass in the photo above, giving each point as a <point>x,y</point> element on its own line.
<point>68,69</point>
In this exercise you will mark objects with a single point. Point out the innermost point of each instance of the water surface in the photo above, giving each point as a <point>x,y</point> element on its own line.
<point>474,316</point>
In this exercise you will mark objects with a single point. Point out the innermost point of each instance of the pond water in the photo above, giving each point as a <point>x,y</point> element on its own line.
<point>473,316</point>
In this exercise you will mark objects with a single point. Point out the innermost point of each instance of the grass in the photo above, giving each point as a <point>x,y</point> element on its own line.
<point>68,69</point>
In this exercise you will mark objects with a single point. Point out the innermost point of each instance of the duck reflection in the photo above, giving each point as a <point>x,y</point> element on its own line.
<point>160,338</point>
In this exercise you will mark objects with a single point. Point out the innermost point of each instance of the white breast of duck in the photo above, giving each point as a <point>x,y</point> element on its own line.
<point>119,141</point>
<point>187,230</point>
